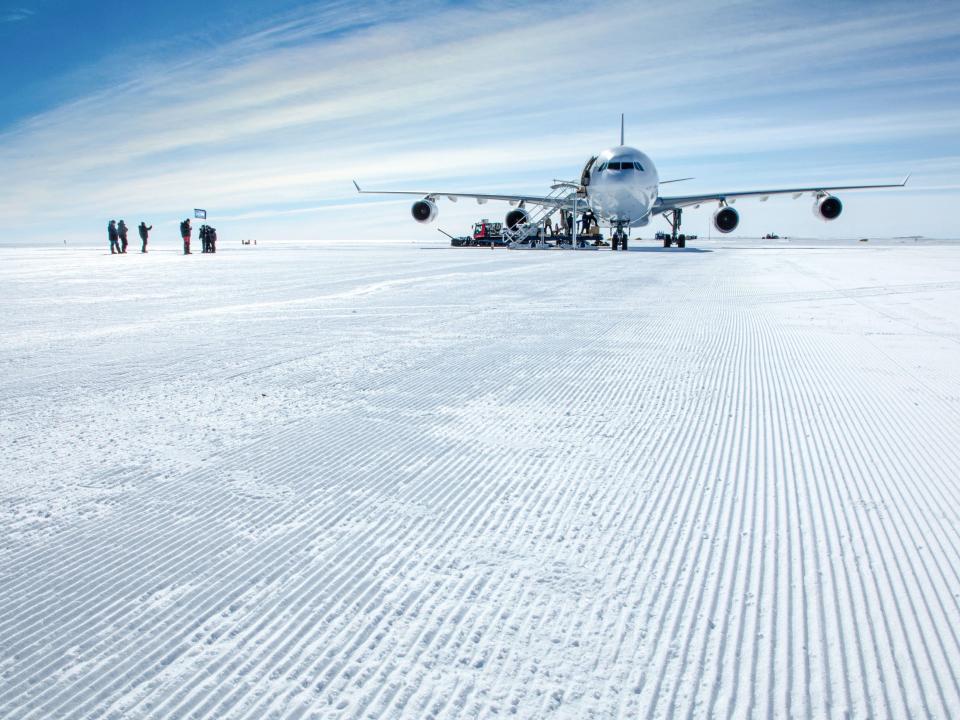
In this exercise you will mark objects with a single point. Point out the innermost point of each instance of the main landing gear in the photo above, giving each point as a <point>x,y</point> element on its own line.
<point>674,219</point>
<point>619,238</point>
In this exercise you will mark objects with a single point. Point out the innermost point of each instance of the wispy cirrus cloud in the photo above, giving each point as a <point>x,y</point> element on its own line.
<point>18,14</point>
<point>499,95</point>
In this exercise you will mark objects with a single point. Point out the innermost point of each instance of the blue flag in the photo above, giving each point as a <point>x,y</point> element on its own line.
<point>201,214</point>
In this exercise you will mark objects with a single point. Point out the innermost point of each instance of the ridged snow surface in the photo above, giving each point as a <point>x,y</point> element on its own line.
<point>396,482</point>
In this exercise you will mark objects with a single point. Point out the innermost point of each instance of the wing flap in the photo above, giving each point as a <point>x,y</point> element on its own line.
<point>481,198</point>
<point>666,203</point>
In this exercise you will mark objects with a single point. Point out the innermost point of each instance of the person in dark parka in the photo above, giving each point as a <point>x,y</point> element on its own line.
<point>144,235</point>
<point>114,237</point>
<point>122,231</point>
<point>185,231</point>
<point>213,239</point>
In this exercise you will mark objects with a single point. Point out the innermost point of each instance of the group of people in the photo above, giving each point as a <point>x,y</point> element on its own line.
<point>207,235</point>
<point>117,234</point>
<point>587,222</point>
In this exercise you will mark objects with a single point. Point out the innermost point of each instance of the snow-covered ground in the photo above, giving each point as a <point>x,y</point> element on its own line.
<point>404,482</point>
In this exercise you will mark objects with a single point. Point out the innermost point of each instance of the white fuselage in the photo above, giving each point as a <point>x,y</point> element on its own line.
<point>623,186</point>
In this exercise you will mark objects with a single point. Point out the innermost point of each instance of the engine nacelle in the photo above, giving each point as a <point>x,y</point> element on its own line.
<point>424,211</point>
<point>726,219</point>
<point>516,217</point>
<point>827,208</point>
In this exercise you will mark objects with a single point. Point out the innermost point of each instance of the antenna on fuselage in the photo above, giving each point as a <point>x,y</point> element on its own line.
<point>621,128</point>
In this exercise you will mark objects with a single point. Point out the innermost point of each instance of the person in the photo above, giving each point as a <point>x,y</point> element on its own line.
<point>548,228</point>
<point>122,231</point>
<point>112,234</point>
<point>144,235</point>
<point>213,239</point>
<point>202,235</point>
<point>568,226</point>
<point>185,231</point>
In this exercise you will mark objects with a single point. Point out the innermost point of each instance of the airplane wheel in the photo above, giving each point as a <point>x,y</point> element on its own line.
<point>666,243</point>
<point>614,242</point>
<point>682,243</point>
<point>623,243</point>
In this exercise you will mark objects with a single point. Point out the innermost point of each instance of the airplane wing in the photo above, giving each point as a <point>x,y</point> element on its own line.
<point>550,201</point>
<point>667,203</point>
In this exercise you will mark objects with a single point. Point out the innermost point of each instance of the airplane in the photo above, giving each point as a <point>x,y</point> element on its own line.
<point>621,187</point>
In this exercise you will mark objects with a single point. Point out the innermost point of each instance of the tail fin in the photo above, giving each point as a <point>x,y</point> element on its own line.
<point>621,128</point>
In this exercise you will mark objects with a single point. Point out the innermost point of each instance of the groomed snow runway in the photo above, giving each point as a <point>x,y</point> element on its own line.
<point>400,482</point>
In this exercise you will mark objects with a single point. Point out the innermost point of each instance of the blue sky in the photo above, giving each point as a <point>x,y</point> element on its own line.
<point>263,112</point>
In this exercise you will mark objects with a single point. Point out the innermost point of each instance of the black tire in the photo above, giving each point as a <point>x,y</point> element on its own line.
<point>666,243</point>
<point>623,243</point>
<point>682,243</point>
<point>614,241</point>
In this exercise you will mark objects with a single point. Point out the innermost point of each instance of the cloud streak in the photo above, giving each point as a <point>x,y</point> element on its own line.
<point>16,15</point>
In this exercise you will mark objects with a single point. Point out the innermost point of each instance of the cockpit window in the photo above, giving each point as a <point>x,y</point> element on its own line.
<point>619,165</point>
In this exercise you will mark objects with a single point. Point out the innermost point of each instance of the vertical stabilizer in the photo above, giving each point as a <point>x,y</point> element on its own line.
<point>621,128</point>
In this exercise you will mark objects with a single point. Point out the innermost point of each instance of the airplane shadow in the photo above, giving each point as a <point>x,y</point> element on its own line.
<point>689,250</point>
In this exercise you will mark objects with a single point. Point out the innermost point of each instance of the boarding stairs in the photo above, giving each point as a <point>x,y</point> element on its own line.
<point>533,227</point>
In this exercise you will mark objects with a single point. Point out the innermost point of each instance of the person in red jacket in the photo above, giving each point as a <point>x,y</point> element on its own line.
<point>122,232</point>
<point>185,231</point>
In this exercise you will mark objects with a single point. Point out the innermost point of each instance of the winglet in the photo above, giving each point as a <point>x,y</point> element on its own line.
<point>357,186</point>
<point>621,128</point>
<point>905,179</point>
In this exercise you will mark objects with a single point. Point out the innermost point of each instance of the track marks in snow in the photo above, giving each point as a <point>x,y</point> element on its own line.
<point>619,486</point>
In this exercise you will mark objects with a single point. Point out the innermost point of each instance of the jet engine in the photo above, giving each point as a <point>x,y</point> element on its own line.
<point>516,217</point>
<point>827,208</point>
<point>726,219</point>
<point>424,211</point>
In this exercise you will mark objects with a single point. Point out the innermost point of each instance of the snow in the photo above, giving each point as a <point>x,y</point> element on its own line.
<point>391,481</point>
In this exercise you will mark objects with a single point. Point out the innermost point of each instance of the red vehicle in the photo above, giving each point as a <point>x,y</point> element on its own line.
<point>487,233</point>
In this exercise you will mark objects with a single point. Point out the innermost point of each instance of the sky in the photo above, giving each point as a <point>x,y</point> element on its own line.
<point>263,112</point>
